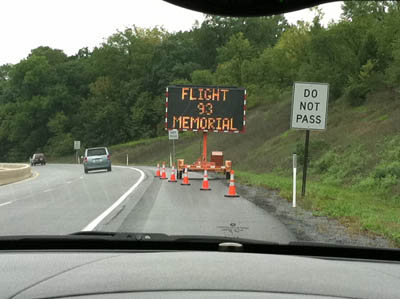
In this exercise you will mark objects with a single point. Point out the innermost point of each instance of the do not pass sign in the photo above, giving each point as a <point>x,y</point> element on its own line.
<point>309,106</point>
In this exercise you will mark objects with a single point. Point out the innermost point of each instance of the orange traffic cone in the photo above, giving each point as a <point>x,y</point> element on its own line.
<point>232,187</point>
<point>172,178</point>
<point>185,178</point>
<point>205,186</point>
<point>163,173</point>
<point>158,171</point>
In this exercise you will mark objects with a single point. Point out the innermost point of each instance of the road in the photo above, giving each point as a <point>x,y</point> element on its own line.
<point>61,199</point>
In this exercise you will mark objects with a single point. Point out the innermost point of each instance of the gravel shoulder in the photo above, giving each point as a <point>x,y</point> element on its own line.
<point>304,225</point>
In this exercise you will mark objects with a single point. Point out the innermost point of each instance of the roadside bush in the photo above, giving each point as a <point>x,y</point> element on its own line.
<point>362,83</point>
<point>315,149</point>
<point>202,77</point>
<point>257,95</point>
<point>387,173</point>
<point>356,94</point>
<point>387,170</point>
<point>325,162</point>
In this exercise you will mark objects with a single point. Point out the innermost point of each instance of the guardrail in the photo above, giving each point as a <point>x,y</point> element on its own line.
<point>14,172</point>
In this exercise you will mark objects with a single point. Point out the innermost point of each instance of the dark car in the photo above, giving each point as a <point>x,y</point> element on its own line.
<point>38,158</point>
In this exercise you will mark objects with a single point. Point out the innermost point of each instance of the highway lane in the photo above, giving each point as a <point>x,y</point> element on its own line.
<point>174,209</point>
<point>62,199</point>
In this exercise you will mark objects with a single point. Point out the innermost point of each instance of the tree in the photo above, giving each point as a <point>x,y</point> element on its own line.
<point>232,57</point>
<point>202,77</point>
<point>393,70</point>
<point>353,10</point>
<point>145,116</point>
<point>103,117</point>
<point>60,143</point>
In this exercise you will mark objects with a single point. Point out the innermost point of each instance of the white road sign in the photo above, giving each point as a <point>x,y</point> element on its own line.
<point>310,106</point>
<point>77,145</point>
<point>173,134</point>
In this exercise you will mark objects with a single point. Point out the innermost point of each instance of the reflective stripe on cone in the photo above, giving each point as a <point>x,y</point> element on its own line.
<point>185,178</point>
<point>158,171</point>
<point>172,178</point>
<point>205,186</point>
<point>163,174</point>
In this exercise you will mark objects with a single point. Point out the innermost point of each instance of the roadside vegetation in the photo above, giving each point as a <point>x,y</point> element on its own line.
<point>114,95</point>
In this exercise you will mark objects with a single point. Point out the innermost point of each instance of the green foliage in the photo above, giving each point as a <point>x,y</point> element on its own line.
<point>362,84</point>
<point>344,167</point>
<point>202,77</point>
<point>359,209</point>
<point>393,70</point>
<point>356,93</point>
<point>231,58</point>
<point>145,115</point>
<point>386,173</point>
<point>315,148</point>
<point>353,10</point>
<point>259,95</point>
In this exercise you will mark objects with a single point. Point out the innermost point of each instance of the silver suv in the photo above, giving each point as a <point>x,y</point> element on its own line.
<point>97,158</point>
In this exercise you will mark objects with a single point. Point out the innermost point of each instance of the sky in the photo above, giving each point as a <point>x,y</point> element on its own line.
<point>70,25</point>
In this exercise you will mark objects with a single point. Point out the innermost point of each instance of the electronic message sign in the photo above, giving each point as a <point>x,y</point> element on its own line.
<point>205,108</point>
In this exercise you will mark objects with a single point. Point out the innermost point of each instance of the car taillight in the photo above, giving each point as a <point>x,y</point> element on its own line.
<point>85,159</point>
<point>108,157</point>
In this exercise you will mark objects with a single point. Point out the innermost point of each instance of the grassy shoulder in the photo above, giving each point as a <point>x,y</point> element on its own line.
<point>364,212</point>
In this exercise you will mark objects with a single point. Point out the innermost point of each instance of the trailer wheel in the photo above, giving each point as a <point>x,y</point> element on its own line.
<point>228,175</point>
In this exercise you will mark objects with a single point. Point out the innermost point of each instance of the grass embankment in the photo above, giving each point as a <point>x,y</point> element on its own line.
<point>360,211</point>
<point>354,167</point>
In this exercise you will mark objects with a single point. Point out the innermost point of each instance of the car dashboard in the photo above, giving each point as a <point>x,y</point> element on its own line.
<point>191,274</point>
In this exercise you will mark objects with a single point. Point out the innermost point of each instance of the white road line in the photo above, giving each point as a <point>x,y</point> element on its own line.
<point>48,190</point>
<point>96,221</point>
<point>5,203</point>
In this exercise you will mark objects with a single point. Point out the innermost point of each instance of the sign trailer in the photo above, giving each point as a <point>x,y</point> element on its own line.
<point>205,109</point>
<point>309,112</point>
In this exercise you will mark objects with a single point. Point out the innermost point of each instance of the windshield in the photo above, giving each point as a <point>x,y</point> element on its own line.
<point>96,152</point>
<point>278,128</point>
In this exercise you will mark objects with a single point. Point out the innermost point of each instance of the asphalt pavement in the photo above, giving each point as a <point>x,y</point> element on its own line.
<point>61,199</point>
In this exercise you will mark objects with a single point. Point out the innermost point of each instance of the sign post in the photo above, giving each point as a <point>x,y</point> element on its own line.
<point>173,135</point>
<point>309,112</point>
<point>77,147</point>
<point>294,178</point>
<point>305,163</point>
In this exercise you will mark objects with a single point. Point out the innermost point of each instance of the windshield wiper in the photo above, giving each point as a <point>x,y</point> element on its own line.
<point>119,241</point>
<point>93,233</point>
<point>125,236</point>
<point>172,238</point>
